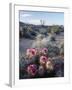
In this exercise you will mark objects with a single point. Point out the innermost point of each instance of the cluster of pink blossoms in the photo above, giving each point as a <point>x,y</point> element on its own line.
<point>43,60</point>
<point>32,52</point>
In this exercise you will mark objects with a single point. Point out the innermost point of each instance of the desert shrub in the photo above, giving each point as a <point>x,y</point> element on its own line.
<point>58,67</point>
<point>29,36</point>
<point>49,29</point>
<point>42,30</point>
<point>55,29</point>
<point>62,45</point>
<point>21,34</point>
<point>52,38</point>
<point>53,51</point>
<point>62,49</point>
<point>33,33</point>
<point>61,28</point>
<point>27,32</point>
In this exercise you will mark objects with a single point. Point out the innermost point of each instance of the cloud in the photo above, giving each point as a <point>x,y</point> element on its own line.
<point>26,15</point>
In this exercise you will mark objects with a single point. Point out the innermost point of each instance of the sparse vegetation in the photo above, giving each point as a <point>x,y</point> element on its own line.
<point>41,46</point>
<point>27,30</point>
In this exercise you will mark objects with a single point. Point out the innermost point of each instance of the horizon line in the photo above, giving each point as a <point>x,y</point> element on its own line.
<point>43,25</point>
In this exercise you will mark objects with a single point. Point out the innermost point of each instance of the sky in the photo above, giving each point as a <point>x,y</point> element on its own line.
<point>34,17</point>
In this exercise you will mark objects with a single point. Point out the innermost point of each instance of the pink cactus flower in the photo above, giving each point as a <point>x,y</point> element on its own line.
<point>32,69</point>
<point>43,60</point>
<point>31,52</point>
<point>28,51</point>
<point>44,50</point>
